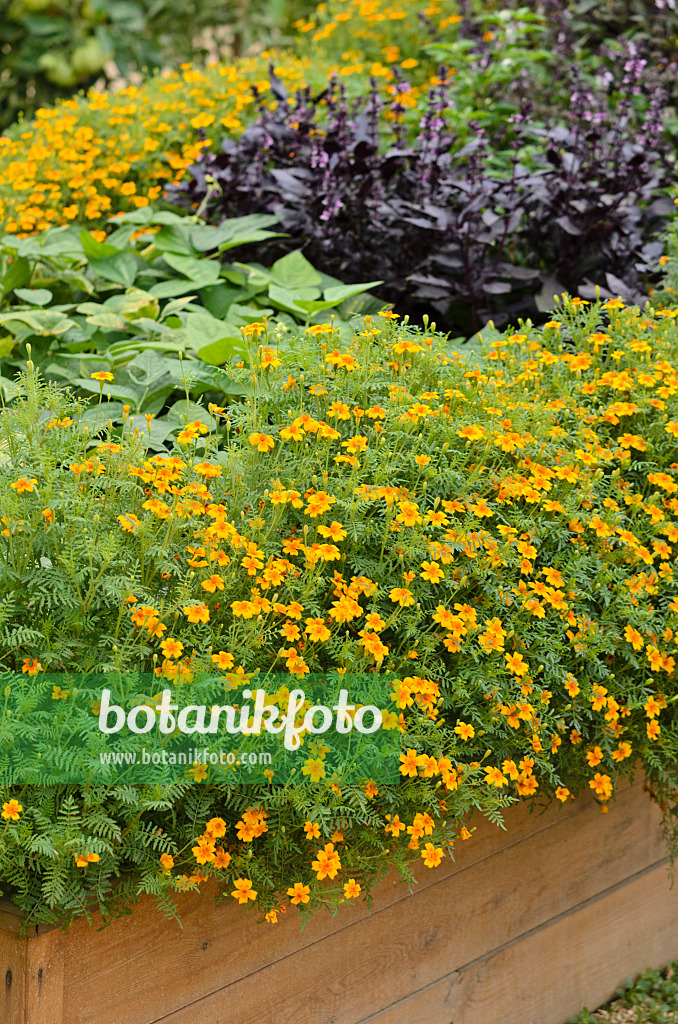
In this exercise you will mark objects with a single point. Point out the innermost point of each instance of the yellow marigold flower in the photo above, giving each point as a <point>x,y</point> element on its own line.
<point>494,777</point>
<point>167,862</point>
<point>465,730</point>
<point>129,522</point>
<point>601,785</point>
<point>223,661</point>
<point>299,893</point>
<point>243,890</point>
<point>311,830</point>
<point>212,584</point>
<point>432,855</point>
<point>11,810</point>
<point>102,375</point>
<point>262,442</point>
<point>171,648</point>
<point>23,484</point>
<point>197,613</point>
<point>327,863</point>
<point>83,859</point>
<point>351,889</point>
<point>314,768</point>
<point>432,572</point>
<point>204,850</point>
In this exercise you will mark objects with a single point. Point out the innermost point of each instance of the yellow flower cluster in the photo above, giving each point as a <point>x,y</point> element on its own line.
<point>95,155</point>
<point>99,154</point>
<point>498,535</point>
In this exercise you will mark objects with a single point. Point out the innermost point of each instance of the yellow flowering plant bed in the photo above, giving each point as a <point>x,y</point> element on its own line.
<point>102,153</point>
<point>493,530</point>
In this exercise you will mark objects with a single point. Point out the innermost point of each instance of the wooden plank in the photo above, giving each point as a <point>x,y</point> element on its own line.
<point>552,972</point>
<point>12,978</point>
<point>370,962</point>
<point>45,979</point>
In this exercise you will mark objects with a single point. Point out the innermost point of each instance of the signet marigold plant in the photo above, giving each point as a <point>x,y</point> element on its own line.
<point>494,532</point>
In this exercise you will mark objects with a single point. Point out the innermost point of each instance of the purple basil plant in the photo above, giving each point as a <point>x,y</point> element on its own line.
<point>434,218</point>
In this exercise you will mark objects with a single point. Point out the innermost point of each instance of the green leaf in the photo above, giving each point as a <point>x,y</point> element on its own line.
<point>15,274</point>
<point>121,268</point>
<point>213,340</point>
<point>218,299</point>
<point>314,307</point>
<point>203,272</point>
<point>134,303</point>
<point>34,296</point>
<point>241,316</point>
<point>183,412</point>
<point>6,345</point>
<point>222,351</point>
<point>204,238</point>
<point>96,250</point>
<point>288,300</point>
<point>347,291</point>
<point>44,322</point>
<point>174,238</point>
<point>253,236</point>
<point>251,275</point>
<point>175,286</point>
<point>293,272</point>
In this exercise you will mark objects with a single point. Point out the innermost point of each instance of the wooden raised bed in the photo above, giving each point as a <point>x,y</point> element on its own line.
<point>526,927</point>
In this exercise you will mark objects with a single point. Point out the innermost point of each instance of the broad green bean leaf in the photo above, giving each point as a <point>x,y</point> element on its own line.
<point>120,349</point>
<point>250,237</point>
<point>121,268</point>
<point>203,272</point>
<point>122,237</point>
<point>222,351</point>
<point>338,293</point>
<point>10,388</point>
<point>101,413</point>
<point>293,272</point>
<point>149,367</point>
<point>288,300</point>
<point>159,429</point>
<point>183,412</point>
<point>134,303</point>
<point>124,391</point>
<point>174,238</point>
<point>242,278</point>
<point>44,322</point>
<point>218,299</point>
<point>203,329</point>
<point>105,318</point>
<point>205,238</point>
<point>95,250</point>
<point>315,307</point>
<point>34,296</point>
<point>243,315</point>
<point>14,275</point>
<point>6,345</point>
<point>148,215</point>
<point>174,287</point>
<point>64,241</point>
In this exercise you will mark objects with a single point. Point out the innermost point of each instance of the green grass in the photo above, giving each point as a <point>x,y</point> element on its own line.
<point>651,999</point>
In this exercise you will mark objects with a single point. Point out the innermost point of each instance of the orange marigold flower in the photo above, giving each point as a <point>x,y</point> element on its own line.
<point>243,890</point>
